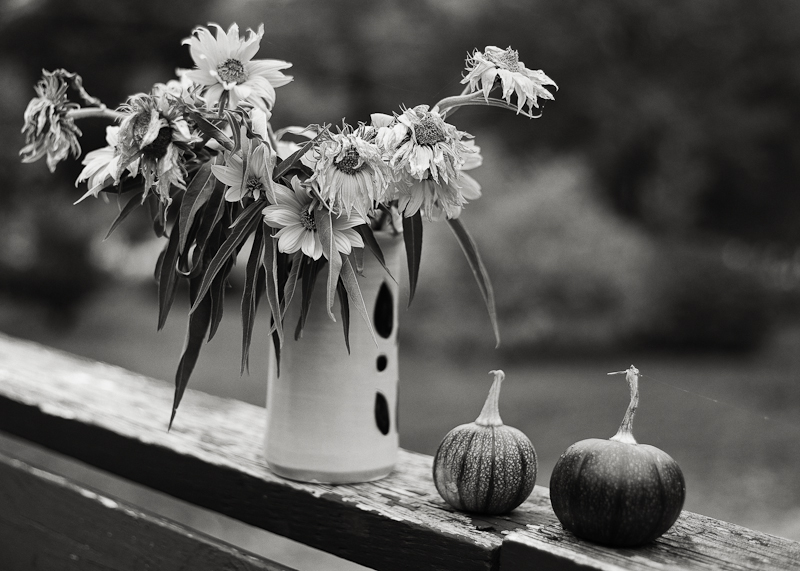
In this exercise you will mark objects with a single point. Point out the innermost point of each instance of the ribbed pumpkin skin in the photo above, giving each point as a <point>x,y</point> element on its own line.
<point>485,469</point>
<point>616,494</point>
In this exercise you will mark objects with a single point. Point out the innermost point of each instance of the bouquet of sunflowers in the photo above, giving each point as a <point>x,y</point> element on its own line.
<point>199,152</point>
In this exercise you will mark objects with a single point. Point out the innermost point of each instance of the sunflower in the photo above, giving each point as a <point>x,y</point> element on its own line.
<point>100,165</point>
<point>442,198</point>
<point>294,214</point>
<point>226,69</point>
<point>350,172</point>
<point>422,145</point>
<point>155,133</point>
<point>483,68</point>
<point>48,128</point>
<point>257,179</point>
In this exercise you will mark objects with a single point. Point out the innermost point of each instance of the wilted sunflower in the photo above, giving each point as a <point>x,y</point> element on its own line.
<point>155,133</point>
<point>442,198</point>
<point>422,145</point>
<point>350,171</point>
<point>483,68</point>
<point>48,128</point>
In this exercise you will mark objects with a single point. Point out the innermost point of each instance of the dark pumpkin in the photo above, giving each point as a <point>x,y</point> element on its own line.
<point>485,467</point>
<point>617,492</point>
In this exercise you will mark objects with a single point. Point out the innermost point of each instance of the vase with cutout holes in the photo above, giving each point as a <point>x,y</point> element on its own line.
<point>332,416</point>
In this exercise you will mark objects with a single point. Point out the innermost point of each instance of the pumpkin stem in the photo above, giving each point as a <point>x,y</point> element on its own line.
<point>490,414</point>
<point>625,432</point>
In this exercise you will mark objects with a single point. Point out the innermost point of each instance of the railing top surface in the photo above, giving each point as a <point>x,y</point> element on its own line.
<point>117,420</point>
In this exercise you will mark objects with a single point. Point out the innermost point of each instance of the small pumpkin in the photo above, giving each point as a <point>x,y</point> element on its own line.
<point>617,492</point>
<point>485,467</point>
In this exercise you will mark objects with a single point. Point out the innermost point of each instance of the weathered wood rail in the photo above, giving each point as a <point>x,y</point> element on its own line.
<point>116,421</point>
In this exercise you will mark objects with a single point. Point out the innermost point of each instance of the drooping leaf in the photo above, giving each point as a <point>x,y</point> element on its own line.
<point>235,125</point>
<point>253,288</point>
<point>239,233</point>
<point>412,236</point>
<point>276,343</point>
<point>197,194</point>
<point>158,214</point>
<point>324,222</point>
<point>470,249</point>
<point>129,207</point>
<point>210,218</point>
<point>167,278</point>
<point>199,321</point>
<point>217,293</point>
<point>344,307</point>
<point>291,282</point>
<point>270,263</point>
<point>249,320</point>
<point>350,283</point>
<point>372,243</point>
<point>308,277</point>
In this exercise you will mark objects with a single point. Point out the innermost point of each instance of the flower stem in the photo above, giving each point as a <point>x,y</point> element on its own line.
<point>103,112</point>
<point>625,432</point>
<point>449,104</point>
<point>490,414</point>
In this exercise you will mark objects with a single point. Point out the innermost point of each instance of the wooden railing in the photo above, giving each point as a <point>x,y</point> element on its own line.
<point>116,421</point>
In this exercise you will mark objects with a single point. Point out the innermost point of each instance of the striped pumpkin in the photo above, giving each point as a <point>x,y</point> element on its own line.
<point>485,467</point>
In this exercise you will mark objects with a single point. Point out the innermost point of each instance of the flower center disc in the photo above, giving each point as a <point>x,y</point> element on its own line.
<point>307,220</point>
<point>232,71</point>
<point>254,186</point>
<point>428,132</point>
<point>158,148</point>
<point>349,163</point>
<point>509,59</point>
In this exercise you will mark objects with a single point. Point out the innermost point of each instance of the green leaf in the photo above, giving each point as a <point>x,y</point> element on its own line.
<point>197,194</point>
<point>412,236</point>
<point>344,306</point>
<point>129,207</point>
<point>230,247</point>
<point>250,294</point>
<point>470,250</point>
<point>324,221</point>
<point>195,335</point>
<point>350,283</point>
<point>167,278</point>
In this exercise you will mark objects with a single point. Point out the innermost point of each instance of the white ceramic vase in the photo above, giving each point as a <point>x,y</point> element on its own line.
<point>332,416</point>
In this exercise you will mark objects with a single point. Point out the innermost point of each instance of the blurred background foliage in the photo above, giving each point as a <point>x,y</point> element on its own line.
<point>653,205</point>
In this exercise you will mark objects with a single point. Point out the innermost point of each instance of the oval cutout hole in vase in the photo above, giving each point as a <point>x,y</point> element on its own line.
<point>383,318</point>
<point>382,413</point>
<point>381,362</point>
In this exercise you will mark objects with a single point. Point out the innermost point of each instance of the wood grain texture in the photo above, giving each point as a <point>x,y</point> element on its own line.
<point>117,421</point>
<point>50,523</point>
<point>694,542</point>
